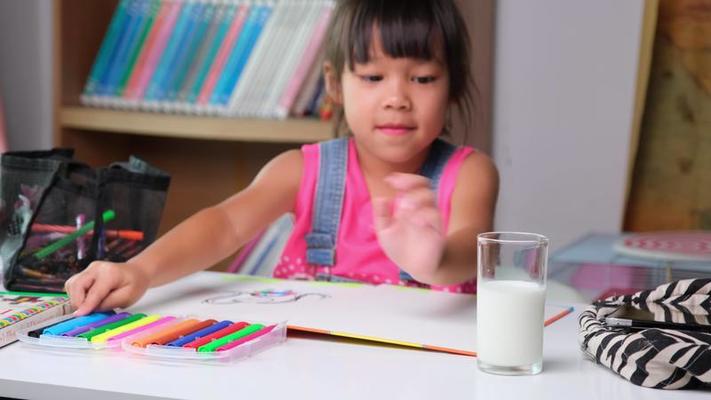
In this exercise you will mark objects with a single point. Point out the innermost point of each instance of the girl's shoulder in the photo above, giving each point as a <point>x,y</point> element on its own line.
<point>283,171</point>
<point>477,177</point>
<point>478,164</point>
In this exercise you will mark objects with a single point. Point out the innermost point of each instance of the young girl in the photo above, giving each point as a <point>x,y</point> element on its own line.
<point>391,203</point>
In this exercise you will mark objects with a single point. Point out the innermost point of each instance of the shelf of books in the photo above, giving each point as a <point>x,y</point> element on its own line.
<point>213,69</point>
<point>207,90</point>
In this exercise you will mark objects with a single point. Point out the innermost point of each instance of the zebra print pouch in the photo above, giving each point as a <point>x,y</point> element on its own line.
<point>655,358</point>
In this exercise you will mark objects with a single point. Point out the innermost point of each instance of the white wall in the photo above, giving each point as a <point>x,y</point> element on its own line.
<point>26,72</point>
<point>565,73</point>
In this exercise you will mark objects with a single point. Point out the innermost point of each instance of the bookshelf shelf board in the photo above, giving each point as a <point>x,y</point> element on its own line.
<point>196,127</point>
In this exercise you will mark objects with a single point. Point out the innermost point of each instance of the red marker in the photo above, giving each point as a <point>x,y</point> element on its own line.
<point>222,332</point>
<point>247,338</point>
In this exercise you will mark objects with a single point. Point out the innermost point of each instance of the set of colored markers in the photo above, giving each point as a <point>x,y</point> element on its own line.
<point>157,336</point>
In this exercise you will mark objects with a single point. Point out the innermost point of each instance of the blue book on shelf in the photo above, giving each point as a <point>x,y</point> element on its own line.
<point>207,52</point>
<point>156,89</point>
<point>136,17</point>
<point>238,59</point>
<point>108,45</point>
<point>187,58</point>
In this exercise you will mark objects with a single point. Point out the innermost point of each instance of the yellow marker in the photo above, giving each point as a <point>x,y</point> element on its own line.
<point>103,337</point>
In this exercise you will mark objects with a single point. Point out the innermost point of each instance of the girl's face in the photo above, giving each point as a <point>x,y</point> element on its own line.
<point>395,107</point>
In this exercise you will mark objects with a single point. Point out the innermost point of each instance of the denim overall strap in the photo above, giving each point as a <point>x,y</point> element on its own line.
<point>439,155</point>
<point>437,158</point>
<point>328,203</point>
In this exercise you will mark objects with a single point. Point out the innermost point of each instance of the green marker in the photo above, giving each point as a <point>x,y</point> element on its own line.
<point>107,216</point>
<point>94,332</point>
<point>229,338</point>
<point>36,294</point>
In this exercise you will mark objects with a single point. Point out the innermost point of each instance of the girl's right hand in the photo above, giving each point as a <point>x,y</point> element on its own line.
<point>105,285</point>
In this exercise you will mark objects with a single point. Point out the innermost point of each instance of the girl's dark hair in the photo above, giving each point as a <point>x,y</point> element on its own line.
<point>407,29</point>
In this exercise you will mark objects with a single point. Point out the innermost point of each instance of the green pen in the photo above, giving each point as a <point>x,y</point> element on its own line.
<point>107,216</point>
<point>90,334</point>
<point>229,338</point>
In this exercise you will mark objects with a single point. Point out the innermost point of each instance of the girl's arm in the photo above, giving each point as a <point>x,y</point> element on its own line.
<point>409,226</point>
<point>472,212</point>
<point>195,244</point>
<point>218,231</point>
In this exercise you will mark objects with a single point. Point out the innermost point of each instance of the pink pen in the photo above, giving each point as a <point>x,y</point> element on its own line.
<point>141,328</point>
<point>247,338</point>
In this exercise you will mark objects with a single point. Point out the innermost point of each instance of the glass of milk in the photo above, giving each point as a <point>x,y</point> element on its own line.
<point>511,288</point>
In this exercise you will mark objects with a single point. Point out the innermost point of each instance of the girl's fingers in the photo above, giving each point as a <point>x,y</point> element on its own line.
<point>118,298</point>
<point>382,213</point>
<point>77,286</point>
<point>418,198</point>
<point>96,294</point>
<point>428,218</point>
<point>404,182</point>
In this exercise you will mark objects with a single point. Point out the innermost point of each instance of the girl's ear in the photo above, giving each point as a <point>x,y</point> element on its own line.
<point>333,83</point>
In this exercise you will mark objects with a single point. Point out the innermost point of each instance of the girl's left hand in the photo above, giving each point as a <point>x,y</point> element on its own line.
<point>409,227</point>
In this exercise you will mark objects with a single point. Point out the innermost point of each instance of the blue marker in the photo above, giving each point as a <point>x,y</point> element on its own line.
<point>198,334</point>
<point>73,323</point>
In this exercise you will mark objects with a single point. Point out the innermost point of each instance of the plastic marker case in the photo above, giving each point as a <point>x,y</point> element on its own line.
<point>186,338</point>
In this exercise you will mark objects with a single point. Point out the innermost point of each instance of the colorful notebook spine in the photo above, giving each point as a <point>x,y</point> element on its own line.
<point>35,309</point>
<point>251,58</point>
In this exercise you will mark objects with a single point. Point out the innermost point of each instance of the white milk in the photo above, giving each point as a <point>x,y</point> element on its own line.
<point>510,322</point>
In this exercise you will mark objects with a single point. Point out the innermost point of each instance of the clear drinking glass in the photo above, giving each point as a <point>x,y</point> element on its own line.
<point>511,287</point>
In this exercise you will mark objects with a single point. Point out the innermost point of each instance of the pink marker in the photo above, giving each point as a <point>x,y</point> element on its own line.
<point>247,338</point>
<point>142,328</point>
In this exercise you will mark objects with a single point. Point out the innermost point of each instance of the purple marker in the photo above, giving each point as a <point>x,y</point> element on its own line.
<point>85,328</point>
<point>81,241</point>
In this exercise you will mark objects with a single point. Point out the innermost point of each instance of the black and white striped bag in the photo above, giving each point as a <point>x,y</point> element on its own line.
<point>656,358</point>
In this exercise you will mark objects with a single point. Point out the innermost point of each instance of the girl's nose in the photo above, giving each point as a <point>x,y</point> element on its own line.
<point>397,98</point>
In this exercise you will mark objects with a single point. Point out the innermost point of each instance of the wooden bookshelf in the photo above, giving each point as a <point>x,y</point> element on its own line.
<point>209,158</point>
<point>194,127</point>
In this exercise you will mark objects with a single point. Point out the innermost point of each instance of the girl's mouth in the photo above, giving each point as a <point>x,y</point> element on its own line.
<point>394,129</point>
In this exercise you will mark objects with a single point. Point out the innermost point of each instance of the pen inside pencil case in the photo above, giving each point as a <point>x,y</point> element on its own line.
<point>81,328</point>
<point>247,330</point>
<point>199,334</point>
<point>144,328</point>
<point>97,331</point>
<point>103,337</point>
<point>215,335</point>
<point>248,338</point>
<point>172,332</point>
<point>69,324</point>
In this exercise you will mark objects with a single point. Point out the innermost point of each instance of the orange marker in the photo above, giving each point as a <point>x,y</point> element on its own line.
<point>173,332</point>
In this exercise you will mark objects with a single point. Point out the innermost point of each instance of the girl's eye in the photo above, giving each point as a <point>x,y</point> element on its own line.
<point>424,79</point>
<point>371,78</point>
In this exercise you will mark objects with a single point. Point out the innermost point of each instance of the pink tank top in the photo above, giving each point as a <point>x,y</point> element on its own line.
<point>358,253</point>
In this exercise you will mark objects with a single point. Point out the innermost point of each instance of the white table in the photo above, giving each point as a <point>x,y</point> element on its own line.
<point>304,367</point>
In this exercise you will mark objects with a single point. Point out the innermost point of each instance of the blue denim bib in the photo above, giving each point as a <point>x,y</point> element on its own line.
<point>328,202</point>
